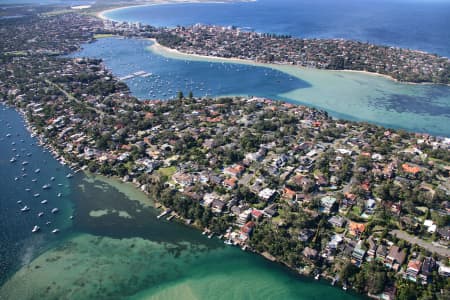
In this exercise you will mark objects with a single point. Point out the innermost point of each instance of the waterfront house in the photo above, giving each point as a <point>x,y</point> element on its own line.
<point>310,253</point>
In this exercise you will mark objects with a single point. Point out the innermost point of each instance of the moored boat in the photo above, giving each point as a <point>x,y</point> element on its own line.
<point>35,229</point>
<point>55,210</point>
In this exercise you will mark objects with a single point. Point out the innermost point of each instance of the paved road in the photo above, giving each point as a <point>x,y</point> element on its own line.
<point>427,245</point>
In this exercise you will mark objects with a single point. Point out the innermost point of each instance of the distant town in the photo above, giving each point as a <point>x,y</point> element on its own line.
<point>332,54</point>
<point>363,206</point>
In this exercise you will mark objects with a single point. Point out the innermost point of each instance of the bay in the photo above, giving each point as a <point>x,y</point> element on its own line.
<point>347,95</point>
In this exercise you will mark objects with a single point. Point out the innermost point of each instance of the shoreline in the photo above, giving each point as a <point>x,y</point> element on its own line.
<point>162,50</point>
<point>101,15</point>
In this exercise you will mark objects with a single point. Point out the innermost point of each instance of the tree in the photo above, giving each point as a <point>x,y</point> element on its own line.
<point>180,95</point>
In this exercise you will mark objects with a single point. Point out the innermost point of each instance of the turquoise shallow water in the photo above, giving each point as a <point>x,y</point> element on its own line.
<point>115,248</point>
<point>347,95</point>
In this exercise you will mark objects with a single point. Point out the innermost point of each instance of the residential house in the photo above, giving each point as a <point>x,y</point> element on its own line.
<point>257,214</point>
<point>234,171</point>
<point>217,206</point>
<point>381,252</point>
<point>230,183</point>
<point>356,228</point>
<point>246,230</point>
<point>372,248</point>
<point>310,253</point>
<point>413,269</point>
<point>266,194</point>
<point>337,221</point>
<point>395,258</point>
<point>327,203</point>
<point>428,265</point>
<point>358,254</point>
<point>444,270</point>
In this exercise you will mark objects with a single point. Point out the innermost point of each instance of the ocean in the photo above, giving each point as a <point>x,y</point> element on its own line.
<point>415,24</point>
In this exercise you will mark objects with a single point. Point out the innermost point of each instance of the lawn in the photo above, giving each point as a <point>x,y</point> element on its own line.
<point>103,35</point>
<point>167,171</point>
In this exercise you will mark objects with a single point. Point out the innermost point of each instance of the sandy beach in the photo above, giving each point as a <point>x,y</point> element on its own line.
<point>158,48</point>
<point>173,53</point>
<point>101,14</point>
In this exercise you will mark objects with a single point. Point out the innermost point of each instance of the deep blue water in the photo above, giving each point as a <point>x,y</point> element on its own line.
<point>422,25</point>
<point>124,57</point>
<point>419,108</point>
<point>18,245</point>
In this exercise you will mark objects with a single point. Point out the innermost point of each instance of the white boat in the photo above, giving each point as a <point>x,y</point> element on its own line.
<point>34,179</point>
<point>19,202</point>
<point>37,170</point>
<point>8,134</point>
<point>35,229</point>
<point>27,189</point>
<point>69,175</point>
<point>24,163</point>
<point>25,208</point>
<point>71,217</point>
<point>56,230</point>
<point>59,195</point>
<point>13,159</point>
<point>16,178</point>
<point>36,195</point>
<point>228,242</point>
<point>46,186</point>
<point>40,214</point>
<point>55,210</point>
<point>52,178</point>
<point>44,202</point>
<point>48,223</point>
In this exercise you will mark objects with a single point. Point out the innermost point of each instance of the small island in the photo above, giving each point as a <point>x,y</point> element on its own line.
<point>364,206</point>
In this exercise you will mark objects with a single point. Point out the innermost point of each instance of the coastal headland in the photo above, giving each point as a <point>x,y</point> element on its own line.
<point>316,194</point>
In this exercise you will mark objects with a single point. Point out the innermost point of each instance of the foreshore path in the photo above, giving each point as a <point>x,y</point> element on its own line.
<point>441,250</point>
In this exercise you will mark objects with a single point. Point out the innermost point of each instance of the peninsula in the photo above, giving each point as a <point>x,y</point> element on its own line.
<point>362,205</point>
